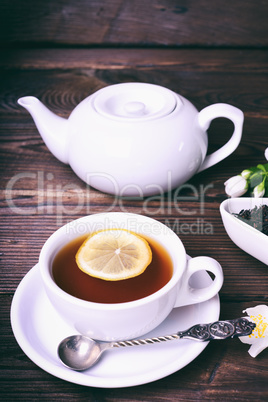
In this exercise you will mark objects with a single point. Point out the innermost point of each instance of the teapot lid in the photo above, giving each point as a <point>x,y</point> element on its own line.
<point>135,101</point>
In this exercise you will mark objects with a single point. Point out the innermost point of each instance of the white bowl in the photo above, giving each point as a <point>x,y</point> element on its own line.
<point>249,239</point>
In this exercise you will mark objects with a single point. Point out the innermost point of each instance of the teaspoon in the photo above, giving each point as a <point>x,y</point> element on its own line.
<point>79,352</point>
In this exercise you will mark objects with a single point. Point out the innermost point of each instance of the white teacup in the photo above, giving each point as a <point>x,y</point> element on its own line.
<point>117,321</point>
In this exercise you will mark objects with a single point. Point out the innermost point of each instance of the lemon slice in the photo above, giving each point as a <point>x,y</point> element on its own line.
<point>114,254</point>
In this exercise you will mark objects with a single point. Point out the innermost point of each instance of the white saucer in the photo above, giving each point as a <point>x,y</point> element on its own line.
<point>38,330</point>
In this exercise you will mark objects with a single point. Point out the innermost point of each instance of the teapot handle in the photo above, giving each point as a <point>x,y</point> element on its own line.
<point>221,110</point>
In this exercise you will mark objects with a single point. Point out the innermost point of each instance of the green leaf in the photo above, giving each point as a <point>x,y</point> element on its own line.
<point>256,178</point>
<point>260,166</point>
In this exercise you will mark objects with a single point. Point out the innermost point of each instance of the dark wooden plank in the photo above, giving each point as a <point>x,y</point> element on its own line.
<point>201,83</point>
<point>143,23</point>
<point>221,60</point>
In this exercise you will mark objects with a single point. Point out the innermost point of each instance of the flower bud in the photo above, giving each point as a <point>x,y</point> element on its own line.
<point>266,153</point>
<point>259,190</point>
<point>246,173</point>
<point>236,186</point>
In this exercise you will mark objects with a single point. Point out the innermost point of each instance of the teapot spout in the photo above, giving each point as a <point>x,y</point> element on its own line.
<point>52,128</point>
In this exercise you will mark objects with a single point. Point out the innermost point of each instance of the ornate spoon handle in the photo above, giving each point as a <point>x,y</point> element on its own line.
<point>200,332</point>
<point>219,330</point>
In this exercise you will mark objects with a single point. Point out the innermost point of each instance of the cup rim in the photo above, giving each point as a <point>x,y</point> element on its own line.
<point>49,250</point>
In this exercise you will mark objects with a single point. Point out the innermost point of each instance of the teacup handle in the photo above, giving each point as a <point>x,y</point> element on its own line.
<point>189,295</point>
<point>221,110</point>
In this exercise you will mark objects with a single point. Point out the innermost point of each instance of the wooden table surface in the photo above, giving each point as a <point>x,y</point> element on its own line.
<point>62,52</point>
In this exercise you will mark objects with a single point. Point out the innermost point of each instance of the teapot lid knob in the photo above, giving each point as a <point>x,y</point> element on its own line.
<point>133,100</point>
<point>135,108</point>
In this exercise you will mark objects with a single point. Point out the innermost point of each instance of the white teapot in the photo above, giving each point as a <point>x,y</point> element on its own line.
<point>134,139</point>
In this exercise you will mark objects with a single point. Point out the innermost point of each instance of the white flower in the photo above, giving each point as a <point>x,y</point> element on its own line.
<point>266,153</point>
<point>259,190</point>
<point>259,337</point>
<point>236,186</point>
<point>246,173</point>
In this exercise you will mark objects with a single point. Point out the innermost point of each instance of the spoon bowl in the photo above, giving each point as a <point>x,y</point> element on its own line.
<point>80,352</point>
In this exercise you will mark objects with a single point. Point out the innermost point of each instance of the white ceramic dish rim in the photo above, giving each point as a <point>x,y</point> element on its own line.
<point>246,237</point>
<point>239,204</point>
